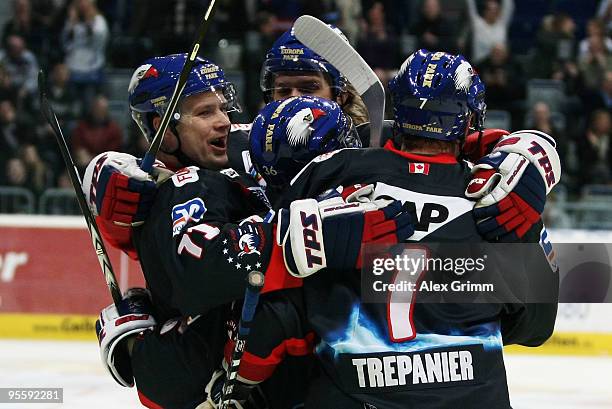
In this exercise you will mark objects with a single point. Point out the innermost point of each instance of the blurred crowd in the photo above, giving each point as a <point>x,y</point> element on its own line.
<point>547,65</point>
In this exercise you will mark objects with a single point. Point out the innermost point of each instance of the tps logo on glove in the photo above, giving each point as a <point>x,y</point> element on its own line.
<point>312,239</point>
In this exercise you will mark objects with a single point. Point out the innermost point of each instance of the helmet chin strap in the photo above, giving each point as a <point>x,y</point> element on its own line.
<point>178,153</point>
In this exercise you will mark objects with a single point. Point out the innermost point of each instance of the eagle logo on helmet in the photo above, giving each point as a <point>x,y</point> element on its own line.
<point>463,76</point>
<point>141,73</point>
<point>299,129</point>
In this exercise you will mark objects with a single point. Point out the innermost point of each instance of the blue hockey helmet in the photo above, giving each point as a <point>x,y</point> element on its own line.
<point>288,55</point>
<point>153,83</point>
<point>289,133</point>
<point>437,95</point>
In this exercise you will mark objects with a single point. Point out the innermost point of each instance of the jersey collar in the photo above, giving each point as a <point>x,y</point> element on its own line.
<point>442,158</point>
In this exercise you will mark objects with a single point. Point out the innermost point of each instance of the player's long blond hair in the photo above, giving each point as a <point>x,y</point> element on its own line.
<point>353,105</point>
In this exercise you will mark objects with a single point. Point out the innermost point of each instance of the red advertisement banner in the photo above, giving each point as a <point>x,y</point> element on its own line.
<point>48,265</point>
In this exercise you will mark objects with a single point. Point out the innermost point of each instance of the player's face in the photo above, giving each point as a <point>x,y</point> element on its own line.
<point>289,85</point>
<point>203,129</point>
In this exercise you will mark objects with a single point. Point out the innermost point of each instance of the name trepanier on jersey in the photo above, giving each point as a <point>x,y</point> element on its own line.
<point>439,367</point>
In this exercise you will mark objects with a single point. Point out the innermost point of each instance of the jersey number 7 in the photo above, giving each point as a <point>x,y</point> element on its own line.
<point>400,304</point>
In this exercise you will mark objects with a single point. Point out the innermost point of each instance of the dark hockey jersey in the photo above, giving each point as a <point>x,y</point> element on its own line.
<point>455,359</point>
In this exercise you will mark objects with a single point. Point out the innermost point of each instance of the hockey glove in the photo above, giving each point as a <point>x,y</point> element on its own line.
<point>330,233</point>
<point>243,395</point>
<point>477,146</point>
<point>120,194</point>
<point>511,185</point>
<point>115,326</point>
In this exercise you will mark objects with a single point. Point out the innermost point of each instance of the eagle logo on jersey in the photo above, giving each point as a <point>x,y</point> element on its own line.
<point>247,239</point>
<point>299,129</point>
<point>248,244</point>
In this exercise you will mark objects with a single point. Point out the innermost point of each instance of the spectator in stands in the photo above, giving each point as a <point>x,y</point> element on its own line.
<point>504,80</point>
<point>556,45</point>
<point>13,133</point>
<point>350,18</point>
<point>605,14</point>
<point>432,30</point>
<point>96,133</point>
<point>20,23</point>
<point>595,63</point>
<point>21,65</point>
<point>37,175</point>
<point>84,38</point>
<point>595,28</point>
<point>378,45</point>
<point>491,28</point>
<point>7,90</point>
<point>594,150</point>
<point>66,104</point>
<point>16,174</point>
<point>540,119</point>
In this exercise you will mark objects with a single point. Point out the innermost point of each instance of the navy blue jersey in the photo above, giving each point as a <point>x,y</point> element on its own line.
<point>453,357</point>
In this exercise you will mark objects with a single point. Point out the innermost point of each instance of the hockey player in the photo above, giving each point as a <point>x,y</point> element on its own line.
<point>117,208</point>
<point>193,250</point>
<point>433,355</point>
<point>125,194</point>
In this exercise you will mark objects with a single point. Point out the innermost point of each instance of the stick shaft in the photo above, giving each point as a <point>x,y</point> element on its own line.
<point>149,158</point>
<point>96,237</point>
<point>251,298</point>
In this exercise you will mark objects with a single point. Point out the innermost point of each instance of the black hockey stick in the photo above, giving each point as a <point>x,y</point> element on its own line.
<point>96,238</point>
<point>332,46</point>
<point>149,158</point>
<point>255,282</point>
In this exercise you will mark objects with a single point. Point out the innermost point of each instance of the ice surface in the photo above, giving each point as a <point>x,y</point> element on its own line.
<point>536,382</point>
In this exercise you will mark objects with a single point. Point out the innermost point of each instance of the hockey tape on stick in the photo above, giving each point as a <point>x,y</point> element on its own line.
<point>149,158</point>
<point>96,238</point>
<point>255,282</point>
<point>331,45</point>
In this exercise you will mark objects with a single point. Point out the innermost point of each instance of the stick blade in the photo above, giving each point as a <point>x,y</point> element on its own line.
<point>334,47</point>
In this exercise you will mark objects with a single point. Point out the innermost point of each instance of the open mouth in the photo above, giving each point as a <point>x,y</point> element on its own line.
<point>219,142</point>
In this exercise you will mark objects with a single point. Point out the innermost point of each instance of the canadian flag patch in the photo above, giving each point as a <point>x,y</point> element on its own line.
<point>419,168</point>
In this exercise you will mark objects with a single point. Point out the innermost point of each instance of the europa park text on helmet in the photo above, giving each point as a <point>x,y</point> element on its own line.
<point>153,83</point>
<point>289,56</point>
<point>289,133</point>
<point>437,95</point>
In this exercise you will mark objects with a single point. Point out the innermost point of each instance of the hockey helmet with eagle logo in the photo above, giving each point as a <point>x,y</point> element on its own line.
<point>153,83</point>
<point>289,133</point>
<point>437,95</point>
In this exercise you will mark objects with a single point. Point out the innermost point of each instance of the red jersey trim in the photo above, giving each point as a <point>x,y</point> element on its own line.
<point>258,369</point>
<point>148,402</point>
<point>277,276</point>
<point>442,158</point>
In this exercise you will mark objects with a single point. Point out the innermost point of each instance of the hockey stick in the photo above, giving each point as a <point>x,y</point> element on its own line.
<point>255,282</point>
<point>149,158</point>
<point>96,238</point>
<point>331,45</point>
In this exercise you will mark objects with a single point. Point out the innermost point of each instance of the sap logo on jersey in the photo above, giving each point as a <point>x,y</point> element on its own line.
<point>189,211</point>
<point>432,212</point>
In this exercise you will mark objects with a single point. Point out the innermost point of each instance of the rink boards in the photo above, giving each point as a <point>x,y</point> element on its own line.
<point>51,287</point>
